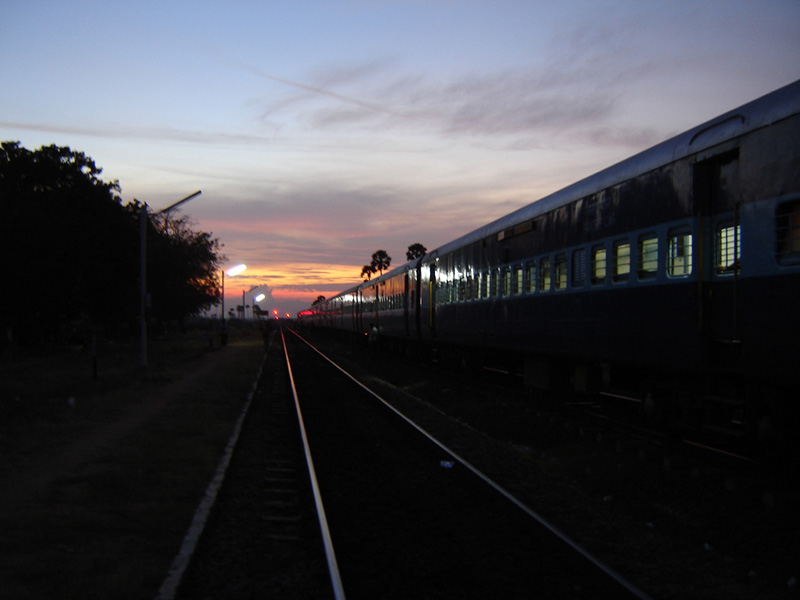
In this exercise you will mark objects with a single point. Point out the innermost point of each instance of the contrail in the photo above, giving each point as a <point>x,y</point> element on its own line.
<point>322,91</point>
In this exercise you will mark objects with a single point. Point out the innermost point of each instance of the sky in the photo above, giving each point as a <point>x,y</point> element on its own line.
<point>321,131</point>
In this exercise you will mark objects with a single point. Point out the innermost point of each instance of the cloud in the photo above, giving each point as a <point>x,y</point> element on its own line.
<point>170,134</point>
<point>569,94</point>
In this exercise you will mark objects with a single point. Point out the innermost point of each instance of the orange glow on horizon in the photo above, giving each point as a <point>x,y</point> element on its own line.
<point>294,282</point>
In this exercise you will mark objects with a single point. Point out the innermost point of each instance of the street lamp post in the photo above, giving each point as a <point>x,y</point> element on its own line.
<point>232,272</point>
<point>143,219</point>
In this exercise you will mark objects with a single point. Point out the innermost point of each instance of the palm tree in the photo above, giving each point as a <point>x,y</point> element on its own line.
<point>415,251</point>
<point>367,272</point>
<point>381,261</point>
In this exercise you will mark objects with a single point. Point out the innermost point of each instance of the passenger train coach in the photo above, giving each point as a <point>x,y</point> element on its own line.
<point>672,278</point>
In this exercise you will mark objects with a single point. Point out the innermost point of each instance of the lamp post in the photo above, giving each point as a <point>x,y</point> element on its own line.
<point>143,219</point>
<point>232,272</point>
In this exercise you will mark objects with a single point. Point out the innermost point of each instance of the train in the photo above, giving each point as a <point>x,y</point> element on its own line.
<point>671,279</point>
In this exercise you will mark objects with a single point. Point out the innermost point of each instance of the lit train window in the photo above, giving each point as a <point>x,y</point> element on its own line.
<point>483,285</point>
<point>787,229</point>
<point>506,282</point>
<point>679,255</point>
<point>531,277</point>
<point>518,282</point>
<point>560,272</point>
<point>598,264</point>
<point>578,267</point>
<point>728,248</point>
<point>544,275</point>
<point>622,260</point>
<point>648,256</point>
<point>493,284</point>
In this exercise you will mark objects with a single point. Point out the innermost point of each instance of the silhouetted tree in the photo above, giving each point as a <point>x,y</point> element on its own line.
<point>72,248</point>
<point>368,271</point>
<point>415,251</point>
<point>381,261</point>
<point>183,268</point>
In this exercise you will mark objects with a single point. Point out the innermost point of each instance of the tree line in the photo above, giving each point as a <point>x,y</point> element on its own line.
<point>73,251</point>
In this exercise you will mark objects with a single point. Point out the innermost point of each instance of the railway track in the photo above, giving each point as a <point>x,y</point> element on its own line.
<point>406,516</point>
<point>684,521</point>
<point>262,538</point>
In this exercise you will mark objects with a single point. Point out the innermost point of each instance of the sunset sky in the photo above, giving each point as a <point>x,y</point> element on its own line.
<point>321,131</point>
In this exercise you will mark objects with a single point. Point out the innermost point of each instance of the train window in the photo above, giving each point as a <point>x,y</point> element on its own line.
<point>506,282</point>
<point>483,285</point>
<point>578,267</point>
<point>728,248</point>
<point>598,265</point>
<point>679,254</point>
<point>622,260</point>
<point>648,256</point>
<point>493,284</point>
<point>531,267</point>
<point>544,275</point>
<point>518,282</point>
<point>560,272</point>
<point>787,229</point>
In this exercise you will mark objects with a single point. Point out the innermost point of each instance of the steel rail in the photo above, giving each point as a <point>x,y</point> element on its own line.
<point>330,555</point>
<point>496,486</point>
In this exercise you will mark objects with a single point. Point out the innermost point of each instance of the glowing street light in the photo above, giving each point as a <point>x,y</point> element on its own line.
<point>234,271</point>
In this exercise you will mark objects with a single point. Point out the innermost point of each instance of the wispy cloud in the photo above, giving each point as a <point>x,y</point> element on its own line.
<point>558,98</point>
<point>172,134</point>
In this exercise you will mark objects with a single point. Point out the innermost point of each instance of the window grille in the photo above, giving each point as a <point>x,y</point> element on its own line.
<point>648,256</point>
<point>787,230</point>
<point>532,277</point>
<point>578,267</point>
<point>544,275</point>
<point>622,260</point>
<point>598,265</point>
<point>728,248</point>
<point>506,282</point>
<point>560,272</point>
<point>679,255</point>
<point>518,280</point>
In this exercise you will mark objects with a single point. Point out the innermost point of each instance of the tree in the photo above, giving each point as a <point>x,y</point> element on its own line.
<point>318,300</point>
<point>72,248</point>
<point>381,261</point>
<point>415,251</point>
<point>183,268</point>
<point>368,271</point>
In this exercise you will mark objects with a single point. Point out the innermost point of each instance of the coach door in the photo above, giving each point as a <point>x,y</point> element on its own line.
<point>717,198</point>
<point>432,301</point>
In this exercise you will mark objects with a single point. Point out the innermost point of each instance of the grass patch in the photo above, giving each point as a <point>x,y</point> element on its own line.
<point>101,493</point>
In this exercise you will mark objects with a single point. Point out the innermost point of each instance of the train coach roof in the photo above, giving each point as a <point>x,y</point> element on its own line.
<point>761,112</point>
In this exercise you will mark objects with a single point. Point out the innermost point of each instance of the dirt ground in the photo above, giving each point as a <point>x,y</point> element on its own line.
<point>100,478</point>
